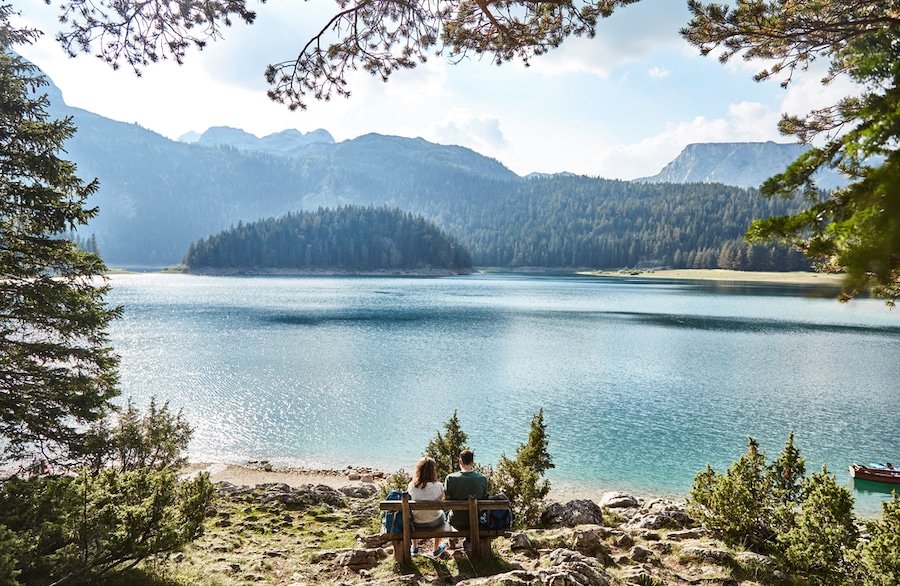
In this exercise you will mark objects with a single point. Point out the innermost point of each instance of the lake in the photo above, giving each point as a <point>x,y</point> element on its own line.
<point>642,382</point>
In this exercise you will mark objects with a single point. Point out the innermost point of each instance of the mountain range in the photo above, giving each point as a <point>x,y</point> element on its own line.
<point>744,164</point>
<point>157,196</point>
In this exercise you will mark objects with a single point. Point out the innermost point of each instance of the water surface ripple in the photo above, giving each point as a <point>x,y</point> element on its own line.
<point>642,384</point>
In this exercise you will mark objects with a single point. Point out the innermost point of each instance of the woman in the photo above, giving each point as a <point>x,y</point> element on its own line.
<point>425,487</point>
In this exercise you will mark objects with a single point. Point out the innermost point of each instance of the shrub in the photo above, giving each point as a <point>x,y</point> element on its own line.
<point>877,563</point>
<point>823,535</point>
<point>522,478</point>
<point>445,449</point>
<point>106,519</point>
<point>737,506</point>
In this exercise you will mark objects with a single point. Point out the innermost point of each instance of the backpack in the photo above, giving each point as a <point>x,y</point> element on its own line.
<point>500,519</point>
<point>392,521</point>
<point>497,519</point>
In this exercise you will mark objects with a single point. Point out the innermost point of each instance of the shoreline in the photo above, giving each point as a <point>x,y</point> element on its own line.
<point>789,278</point>
<point>265,472</point>
<point>802,278</point>
<point>287,272</point>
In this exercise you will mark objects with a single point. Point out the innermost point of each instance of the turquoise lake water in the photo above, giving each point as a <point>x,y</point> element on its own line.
<point>642,383</point>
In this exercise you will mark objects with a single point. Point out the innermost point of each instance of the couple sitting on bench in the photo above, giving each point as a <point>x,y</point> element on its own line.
<point>458,486</point>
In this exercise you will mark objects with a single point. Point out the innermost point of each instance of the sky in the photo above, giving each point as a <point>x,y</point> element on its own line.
<point>621,105</point>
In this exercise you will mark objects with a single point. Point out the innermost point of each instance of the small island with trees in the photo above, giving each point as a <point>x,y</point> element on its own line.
<point>348,239</point>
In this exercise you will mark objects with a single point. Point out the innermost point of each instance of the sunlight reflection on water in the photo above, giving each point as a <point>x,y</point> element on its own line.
<point>642,385</point>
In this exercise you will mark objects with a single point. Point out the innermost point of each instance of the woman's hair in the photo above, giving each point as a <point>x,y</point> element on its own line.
<point>425,472</point>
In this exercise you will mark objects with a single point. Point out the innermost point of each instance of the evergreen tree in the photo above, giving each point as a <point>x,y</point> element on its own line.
<point>877,562</point>
<point>57,370</point>
<point>521,479</point>
<point>736,505</point>
<point>824,534</point>
<point>445,449</point>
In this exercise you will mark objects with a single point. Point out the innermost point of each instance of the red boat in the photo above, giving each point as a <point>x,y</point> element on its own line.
<point>876,473</point>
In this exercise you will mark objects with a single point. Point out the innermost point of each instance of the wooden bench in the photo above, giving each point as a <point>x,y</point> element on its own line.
<point>479,537</point>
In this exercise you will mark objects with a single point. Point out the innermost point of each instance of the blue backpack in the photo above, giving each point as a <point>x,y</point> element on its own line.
<point>499,519</point>
<point>392,521</point>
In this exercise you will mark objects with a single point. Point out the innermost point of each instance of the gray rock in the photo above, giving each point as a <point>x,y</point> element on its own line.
<point>635,575</point>
<point>588,541</point>
<point>641,554</point>
<point>624,541</point>
<point>661,514</point>
<point>576,512</point>
<point>570,568</point>
<point>714,556</point>
<point>514,578</point>
<point>618,500</point>
<point>520,542</point>
<point>372,541</point>
<point>362,491</point>
<point>695,533</point>
<point>755,564</point>
<point>359,559</point>
<point>353,476</point>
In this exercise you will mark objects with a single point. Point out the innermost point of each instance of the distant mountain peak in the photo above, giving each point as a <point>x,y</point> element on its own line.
<point>285,142</point>
<point>742,164</point>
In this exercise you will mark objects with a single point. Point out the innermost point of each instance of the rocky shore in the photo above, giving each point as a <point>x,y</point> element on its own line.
<point>328,533</point>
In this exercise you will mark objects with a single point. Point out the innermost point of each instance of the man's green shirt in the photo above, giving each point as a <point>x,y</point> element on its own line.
<point>459,486</point>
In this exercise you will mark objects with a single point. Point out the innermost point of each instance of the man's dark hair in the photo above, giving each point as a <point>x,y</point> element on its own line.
<point>467,457</point>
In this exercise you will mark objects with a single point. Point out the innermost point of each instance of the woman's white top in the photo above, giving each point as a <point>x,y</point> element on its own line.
<point>433,491</point>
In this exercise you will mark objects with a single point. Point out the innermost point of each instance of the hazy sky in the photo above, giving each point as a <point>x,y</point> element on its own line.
<point>619,106</point>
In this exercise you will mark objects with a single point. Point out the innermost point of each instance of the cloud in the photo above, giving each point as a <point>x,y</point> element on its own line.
<point>631,33</point>
<point>746,122</point>
<point>658,72</point>
<point>480,133</point>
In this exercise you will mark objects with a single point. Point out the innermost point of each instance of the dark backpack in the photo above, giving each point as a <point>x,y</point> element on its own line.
<point>497,519</point>
<point>392,521</point>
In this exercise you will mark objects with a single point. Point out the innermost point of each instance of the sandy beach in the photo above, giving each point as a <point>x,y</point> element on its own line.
<point>786,278</point>
<point>253,474</point>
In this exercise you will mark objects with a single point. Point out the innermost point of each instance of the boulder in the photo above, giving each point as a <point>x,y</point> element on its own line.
<point>514,578</point>
<point>641,554</point>
<point>624,541</point>
<point>521,542</point>
<point>618,500</point>
<point>695,533</point>
<point>755,564</point>
<point>373,541</point>
<point>304,495</point>
<point>360,559</point>
<point>353,476</point>
<point>709,555</point>
<point>362,491</point>
<point>661,514</point>
<point>576,512</point>
<point>570,568</point>
<point>589,542</point>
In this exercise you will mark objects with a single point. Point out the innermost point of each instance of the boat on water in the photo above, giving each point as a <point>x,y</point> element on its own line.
<point>876,472</point>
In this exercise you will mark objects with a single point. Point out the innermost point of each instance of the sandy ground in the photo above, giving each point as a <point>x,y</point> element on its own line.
<point>251,475</point>
<point>788,278</point>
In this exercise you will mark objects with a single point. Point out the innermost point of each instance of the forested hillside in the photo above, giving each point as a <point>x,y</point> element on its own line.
<point>157,196</point>
<point>349,237</point>
<point>571,221</point>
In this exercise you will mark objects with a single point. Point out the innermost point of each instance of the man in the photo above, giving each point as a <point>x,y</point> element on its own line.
<point>463,484</point>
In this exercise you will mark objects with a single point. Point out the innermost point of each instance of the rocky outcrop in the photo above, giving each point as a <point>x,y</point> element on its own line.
<point>292,496</point>
<point>576,512</point>
<point>360,559</point>
<point>744,164</point>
